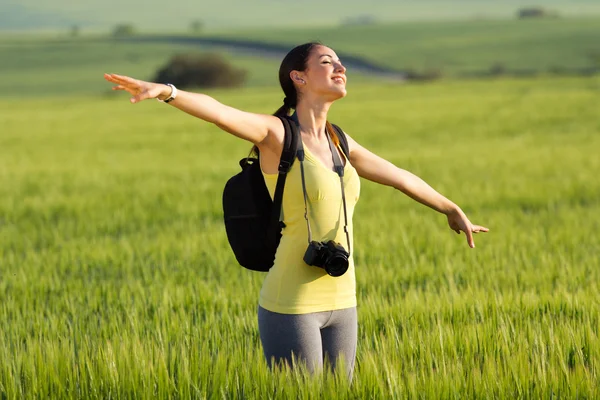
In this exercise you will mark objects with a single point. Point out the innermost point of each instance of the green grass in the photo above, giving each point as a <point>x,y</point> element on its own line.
<point>117,280</point>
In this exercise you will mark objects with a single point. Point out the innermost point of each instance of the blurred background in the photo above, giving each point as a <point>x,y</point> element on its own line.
<point>61,47</point>
<point>116,278</point>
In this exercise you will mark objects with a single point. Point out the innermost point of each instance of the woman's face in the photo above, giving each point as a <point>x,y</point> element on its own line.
<point>324,75</point>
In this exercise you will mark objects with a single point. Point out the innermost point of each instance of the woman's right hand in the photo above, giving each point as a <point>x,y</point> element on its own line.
<point>140,90</point>
<point>259,129</point>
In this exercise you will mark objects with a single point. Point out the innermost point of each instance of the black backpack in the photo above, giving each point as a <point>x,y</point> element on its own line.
<point>251,217</point>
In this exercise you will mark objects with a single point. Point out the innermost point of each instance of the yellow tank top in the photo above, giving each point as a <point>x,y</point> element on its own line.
<point>291,286</point>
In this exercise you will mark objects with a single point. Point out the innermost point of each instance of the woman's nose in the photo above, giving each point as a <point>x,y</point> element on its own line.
<point>339,67</point>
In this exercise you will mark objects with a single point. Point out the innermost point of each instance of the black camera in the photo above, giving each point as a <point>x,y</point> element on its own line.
<point>330,256</point>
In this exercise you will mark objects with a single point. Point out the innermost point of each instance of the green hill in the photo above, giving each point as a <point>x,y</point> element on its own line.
<point>154,15</point>
<point>19,17</point>
<point>459,47</point>
<point>48,66</point>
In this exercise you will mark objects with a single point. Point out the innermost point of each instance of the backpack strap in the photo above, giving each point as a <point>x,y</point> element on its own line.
<point>343,140</point>
<point>288,154</point>
<point>290,139</point>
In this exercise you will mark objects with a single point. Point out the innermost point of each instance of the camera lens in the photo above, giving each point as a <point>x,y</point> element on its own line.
<point>337,265</point>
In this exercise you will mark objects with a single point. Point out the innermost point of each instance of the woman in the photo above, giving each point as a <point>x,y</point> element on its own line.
<point>304,313</point>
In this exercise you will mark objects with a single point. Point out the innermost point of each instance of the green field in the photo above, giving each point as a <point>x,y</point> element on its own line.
<point>63,67</point>
<point>117,281</point>
<point>227,14</point>
<point>57,65</point>
<point>459,47</point>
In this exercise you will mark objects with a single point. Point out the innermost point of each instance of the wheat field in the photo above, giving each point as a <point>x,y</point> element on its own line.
<point>116,280</point>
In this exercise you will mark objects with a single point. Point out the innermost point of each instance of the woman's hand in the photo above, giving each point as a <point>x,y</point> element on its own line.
<point>458,221</point>
<point>140,90</point>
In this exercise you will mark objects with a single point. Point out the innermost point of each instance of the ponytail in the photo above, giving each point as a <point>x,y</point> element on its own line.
<point>283,111</point>
<point>332,134</point>
<point>295,60</point>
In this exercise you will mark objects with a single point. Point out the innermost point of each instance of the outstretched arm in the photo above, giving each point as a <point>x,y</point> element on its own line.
<point>256,128</point>
<point>376,169</point>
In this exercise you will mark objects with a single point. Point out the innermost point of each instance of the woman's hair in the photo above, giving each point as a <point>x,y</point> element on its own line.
<point>295,60</point>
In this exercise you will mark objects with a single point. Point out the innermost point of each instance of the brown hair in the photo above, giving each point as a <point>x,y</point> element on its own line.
<point>295,60</point>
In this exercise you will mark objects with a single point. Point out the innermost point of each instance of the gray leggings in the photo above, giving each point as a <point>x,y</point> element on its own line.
<point>311,338</point>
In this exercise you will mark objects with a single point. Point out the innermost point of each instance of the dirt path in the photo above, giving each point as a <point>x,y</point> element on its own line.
<point>271,50</point>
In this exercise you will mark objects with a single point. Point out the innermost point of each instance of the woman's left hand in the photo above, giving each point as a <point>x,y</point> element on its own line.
<point>458,222</point>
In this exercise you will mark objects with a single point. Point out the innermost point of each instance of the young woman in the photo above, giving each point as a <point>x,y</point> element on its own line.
<point>304,314</point>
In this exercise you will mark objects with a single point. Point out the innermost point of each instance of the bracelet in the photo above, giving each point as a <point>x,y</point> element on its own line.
<point>172,96</point>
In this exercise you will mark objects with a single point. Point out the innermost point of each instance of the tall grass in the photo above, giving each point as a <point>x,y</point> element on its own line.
<point>116,280</point>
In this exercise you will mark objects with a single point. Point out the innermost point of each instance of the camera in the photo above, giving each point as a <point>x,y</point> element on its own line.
<point>330,256</point>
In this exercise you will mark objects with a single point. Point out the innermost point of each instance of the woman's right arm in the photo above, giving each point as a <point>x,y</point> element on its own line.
<point>255,128</point>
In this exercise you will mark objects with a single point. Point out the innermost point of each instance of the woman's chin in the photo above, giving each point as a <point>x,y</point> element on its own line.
<point>340,93</point>
<point>333,93</point>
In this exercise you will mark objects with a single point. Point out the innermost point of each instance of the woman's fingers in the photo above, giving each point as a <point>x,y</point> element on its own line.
<point>478,228</point>
<point>109,77</point>
<point>139,90</point>
<point>474,229</point>
<point>470,239</point>
<point>132,92</point>
<point>125,82</point>
<point>120,79</point>
<point>460,222</point>
<point>114,78</point>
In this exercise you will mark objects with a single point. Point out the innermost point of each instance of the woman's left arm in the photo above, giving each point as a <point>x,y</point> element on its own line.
<point>376,169</point>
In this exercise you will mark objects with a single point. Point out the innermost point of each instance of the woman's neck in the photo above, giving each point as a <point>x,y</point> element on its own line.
<point>312,118</point>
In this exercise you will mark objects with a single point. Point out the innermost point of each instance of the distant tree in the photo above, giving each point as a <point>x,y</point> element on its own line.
<point>594,57</point>
<point>196,26</point>
<point>363,19</point>
<point>74,31</point>
<point>200,71</point>
<point>557,70</point>
<point>123,30</point>
<point>498,69</point>
<point>427,74</point>
<point>535,12</point>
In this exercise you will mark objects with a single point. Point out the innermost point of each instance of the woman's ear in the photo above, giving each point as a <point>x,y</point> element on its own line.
<point>297,77</point>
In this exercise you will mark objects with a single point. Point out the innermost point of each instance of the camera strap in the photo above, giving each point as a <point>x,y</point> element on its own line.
<point>339,169</point>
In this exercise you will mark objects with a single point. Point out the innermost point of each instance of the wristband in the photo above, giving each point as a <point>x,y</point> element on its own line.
<point>172,96</point>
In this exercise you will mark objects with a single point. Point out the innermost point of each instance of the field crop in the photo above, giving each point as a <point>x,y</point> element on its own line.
<point>116,280</point>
